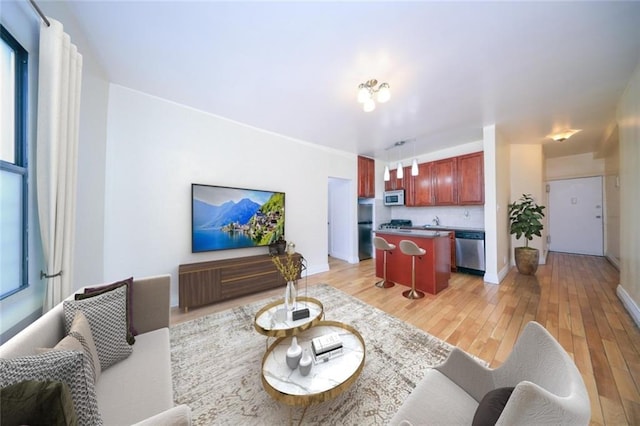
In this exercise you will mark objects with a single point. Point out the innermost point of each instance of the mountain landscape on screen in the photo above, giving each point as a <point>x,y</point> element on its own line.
<point>225,218</point>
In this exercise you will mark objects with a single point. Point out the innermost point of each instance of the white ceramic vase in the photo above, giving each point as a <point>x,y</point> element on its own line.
<point>305,362</point>
<point>294,353</point>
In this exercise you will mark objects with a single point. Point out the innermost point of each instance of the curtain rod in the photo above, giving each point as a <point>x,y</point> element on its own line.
<point>39,12</point>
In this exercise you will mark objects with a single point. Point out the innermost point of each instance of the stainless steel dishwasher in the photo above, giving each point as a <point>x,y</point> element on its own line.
<point>470,256</point>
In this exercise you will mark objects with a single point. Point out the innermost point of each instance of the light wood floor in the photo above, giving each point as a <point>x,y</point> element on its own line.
<point>572,296</point>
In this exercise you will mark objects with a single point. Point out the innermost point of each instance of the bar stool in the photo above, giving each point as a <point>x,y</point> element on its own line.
<point>411,249</point>
<point>382,244</point>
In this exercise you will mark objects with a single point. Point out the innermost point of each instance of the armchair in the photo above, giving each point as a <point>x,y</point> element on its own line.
<point>548,388</point>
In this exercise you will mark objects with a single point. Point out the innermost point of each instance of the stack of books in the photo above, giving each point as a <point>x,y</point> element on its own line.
<point>326,347</point>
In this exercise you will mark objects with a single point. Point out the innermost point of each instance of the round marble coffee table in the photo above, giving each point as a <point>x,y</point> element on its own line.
<point>326,380</point>
<point>273,320</point>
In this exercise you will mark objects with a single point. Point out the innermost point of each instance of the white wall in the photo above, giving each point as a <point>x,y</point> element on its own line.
<point>612,204</point>
<point>502,185</point>
<point>496,177</point>
<point>574,166</point>
<point>628,117</point>
<point>156,149</point>
<point>527,177</point>
<point>458,216</point>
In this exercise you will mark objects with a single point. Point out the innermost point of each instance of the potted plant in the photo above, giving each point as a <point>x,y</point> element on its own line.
<point>525,219</point>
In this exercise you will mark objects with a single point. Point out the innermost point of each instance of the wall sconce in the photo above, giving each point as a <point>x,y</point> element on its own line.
<point>367,91</point>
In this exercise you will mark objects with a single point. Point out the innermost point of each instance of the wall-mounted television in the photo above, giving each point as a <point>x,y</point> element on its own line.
<point>225,218</point>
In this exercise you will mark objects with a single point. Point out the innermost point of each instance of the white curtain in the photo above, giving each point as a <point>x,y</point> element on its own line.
<point>60,75</point>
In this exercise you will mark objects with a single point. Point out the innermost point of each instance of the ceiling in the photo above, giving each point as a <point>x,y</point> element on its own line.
<point>454,67</point>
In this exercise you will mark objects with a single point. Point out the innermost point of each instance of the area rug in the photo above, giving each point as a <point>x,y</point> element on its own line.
<point>216,364</point>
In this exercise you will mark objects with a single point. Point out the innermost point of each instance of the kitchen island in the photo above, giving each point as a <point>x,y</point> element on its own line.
<point>433,270</point>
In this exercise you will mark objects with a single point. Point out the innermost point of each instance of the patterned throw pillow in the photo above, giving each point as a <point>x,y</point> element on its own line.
<point>80,339</point>
<point>81,330</point>
<point>107,316</point>
<point>68,367</point>
<point>95,291</point>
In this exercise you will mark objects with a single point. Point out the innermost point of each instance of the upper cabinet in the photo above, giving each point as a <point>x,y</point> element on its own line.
<point>366,177</point>
<point>423,194</point>
<point>394,183</point>
<point>471,179</point>
<point>444,182</point>
<point>447,182</point>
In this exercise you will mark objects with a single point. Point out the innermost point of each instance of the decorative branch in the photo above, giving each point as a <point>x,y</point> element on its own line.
<point>290,269</point>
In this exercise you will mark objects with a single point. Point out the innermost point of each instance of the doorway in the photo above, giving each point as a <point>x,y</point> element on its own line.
<point>340,223</point>
<point>576,216</point>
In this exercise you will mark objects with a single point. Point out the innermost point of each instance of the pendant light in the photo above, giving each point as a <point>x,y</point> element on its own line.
<point>387,173</point>
<point>414,163</point>
<point>399,171</point>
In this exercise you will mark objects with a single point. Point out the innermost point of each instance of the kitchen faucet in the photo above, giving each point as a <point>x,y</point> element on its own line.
<point>436,220</point>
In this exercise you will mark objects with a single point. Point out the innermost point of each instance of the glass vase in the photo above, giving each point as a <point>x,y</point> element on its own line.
<point>290,296</point>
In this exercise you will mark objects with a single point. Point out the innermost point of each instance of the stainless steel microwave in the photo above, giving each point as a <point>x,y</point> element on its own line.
<point>394,198</point>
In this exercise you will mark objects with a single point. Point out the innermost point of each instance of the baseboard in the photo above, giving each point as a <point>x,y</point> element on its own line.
<point>316,269</point>
<point>630,305</point>
<point>497,278</point>
<point>503,272</point>
<point>615,262</point>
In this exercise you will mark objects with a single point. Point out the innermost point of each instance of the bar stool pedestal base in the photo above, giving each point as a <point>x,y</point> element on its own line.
<point>384,284</point>
<point>413,294</point>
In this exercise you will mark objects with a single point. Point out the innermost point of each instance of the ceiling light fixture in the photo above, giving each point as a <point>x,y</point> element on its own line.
<point>367,91</point>
<point>564,135</point>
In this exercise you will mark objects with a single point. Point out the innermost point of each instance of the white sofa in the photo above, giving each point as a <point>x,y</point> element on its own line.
<point>548,387</point>
<point>138,389</point>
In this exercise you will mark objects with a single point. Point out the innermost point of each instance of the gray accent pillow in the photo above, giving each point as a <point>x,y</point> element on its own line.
<point>107,316</point>
<point>491,407</point>
<point>69,367</point>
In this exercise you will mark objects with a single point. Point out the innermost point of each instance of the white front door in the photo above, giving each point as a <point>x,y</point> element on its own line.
<point>576,216</point>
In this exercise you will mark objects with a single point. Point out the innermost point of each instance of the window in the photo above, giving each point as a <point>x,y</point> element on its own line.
<point>13,166</point>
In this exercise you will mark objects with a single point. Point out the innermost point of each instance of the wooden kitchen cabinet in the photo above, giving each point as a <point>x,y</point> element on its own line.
<point>366,177</point>
<point>409,187</point>
<point>452,240</point>
<point>470,182</point>
<point>444,182</point>
<point>423,194</point>
<point>447,182</point>
<point>394,183</point>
